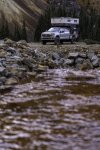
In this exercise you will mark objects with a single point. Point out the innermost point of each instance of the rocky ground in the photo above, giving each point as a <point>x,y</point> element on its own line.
<point>22,61</point>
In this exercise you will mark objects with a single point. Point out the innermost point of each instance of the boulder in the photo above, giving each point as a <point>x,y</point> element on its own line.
<point>68,62</point>
<point>83,55</point>
<point>55,56</point>
<point>2,71</point>
<point>96,62</point>
<point>90,55</point>
<point>41,68</point>
<point>11,50</point>
<point>79,60</point>
<point>9,42</point>
<point>86,65</point>
<point>73,55</point>
<point>11,81</point>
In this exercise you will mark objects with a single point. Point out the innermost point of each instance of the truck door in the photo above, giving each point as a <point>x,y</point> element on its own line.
<point>62,34</point>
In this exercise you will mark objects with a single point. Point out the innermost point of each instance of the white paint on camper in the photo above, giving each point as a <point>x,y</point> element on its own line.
<point>65,20</point>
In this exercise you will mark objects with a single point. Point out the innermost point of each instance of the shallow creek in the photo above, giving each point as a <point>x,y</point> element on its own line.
<point>58,110</point>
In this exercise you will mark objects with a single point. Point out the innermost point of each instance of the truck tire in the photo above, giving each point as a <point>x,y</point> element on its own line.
<point>57,40</point>
<point>44,42</point>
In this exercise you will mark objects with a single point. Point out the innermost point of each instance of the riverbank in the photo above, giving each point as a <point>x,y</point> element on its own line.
<point>22,61</point>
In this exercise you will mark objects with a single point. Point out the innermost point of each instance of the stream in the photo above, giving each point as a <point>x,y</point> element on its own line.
<point>58,110</point>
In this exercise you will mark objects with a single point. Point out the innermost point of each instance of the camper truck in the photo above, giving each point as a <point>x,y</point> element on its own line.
<point>63,29</point>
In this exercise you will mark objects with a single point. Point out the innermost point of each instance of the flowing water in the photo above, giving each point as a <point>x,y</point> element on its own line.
<point>58,110</point>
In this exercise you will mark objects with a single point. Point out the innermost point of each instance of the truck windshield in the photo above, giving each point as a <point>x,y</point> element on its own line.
<point>54,29</point>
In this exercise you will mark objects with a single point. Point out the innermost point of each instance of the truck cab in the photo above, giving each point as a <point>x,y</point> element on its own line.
<point>56,34</point>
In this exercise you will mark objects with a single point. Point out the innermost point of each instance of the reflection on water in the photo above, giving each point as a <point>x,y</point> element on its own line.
<point>59,110</point>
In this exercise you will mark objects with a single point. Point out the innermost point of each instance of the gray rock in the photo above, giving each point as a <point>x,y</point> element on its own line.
<point>90,55</point>
<point>5,88</point>
<point>94,58</point>
<point>96,62</point>
<point>55,56</point>
<point>73,55</point>
<point>41,68</point>
<point>11,50</point>
<point>98,55</point>
<point>11,81</point>
<point>86,65</point>
<point>79,60</point>
<point>2,70</point>
<point>62,61</point>
<point>82,55</point>
<point>2,80</point>
<point>22,42</point>
<point>69,62</point>
<point>31,74</point>
<point>9,42</point>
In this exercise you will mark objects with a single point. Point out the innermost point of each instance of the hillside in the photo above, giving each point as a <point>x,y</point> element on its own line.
<point>95,4</point>
<point>14,12</point>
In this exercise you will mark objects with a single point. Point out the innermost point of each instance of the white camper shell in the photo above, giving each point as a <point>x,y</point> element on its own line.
<point>64,21</point>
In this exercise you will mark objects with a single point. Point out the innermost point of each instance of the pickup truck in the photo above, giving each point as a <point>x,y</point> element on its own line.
<point>57,35</point>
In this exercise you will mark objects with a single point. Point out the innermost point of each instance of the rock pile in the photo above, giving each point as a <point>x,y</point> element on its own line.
<point>19,62</point>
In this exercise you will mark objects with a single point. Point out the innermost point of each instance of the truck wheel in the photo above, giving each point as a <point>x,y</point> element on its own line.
<point>44,42</point>
<point>57,40</point>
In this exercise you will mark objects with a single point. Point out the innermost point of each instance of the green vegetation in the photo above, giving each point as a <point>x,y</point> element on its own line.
<point>19,32</point>
<point>89,24</point>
